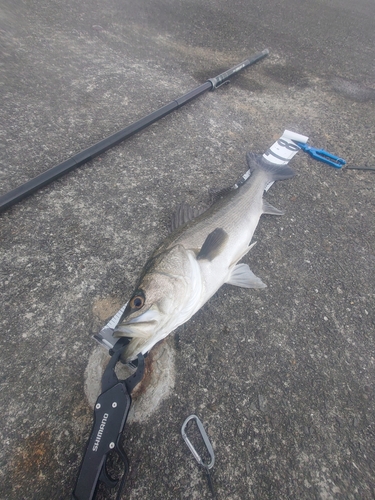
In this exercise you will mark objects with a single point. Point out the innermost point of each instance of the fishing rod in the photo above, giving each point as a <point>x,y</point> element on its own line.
<point>41,180</point>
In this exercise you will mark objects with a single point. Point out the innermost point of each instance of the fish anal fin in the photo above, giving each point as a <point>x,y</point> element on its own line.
<point>242,276</point>
<point>213,244</point>
<point>271,210</point>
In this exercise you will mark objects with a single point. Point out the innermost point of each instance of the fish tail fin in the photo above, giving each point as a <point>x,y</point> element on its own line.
<point>275,172</point>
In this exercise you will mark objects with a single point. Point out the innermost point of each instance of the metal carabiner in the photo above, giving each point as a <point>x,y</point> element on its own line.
<point>206,441</point>
<point>210,464</point>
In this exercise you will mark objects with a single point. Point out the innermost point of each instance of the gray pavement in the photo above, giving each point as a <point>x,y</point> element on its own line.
<point>283,378</point>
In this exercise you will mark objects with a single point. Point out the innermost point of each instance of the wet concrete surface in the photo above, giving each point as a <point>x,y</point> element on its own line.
<point>283,378</point>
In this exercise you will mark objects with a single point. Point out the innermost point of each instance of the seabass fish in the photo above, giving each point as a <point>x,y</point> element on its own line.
<point>197,259</point>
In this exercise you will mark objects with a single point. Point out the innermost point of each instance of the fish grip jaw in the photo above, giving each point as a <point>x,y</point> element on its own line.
<point>137,376</point>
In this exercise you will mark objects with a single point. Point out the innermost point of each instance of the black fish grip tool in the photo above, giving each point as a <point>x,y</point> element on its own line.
<point>110,415</point>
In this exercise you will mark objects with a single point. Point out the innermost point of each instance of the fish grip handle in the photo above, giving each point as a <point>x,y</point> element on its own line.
<point>110,415</point>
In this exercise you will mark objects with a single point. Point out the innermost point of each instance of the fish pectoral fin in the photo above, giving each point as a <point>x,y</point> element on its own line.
<point>269,209</point>
<point>213,244</point>
<point>243,276</point>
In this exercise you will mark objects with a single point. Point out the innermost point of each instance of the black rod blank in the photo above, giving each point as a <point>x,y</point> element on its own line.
<point>29,187</point>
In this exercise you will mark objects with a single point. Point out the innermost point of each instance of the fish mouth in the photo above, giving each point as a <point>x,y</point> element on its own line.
<point>138,329</point>
<point>143,331</point>
<point>142,326</point>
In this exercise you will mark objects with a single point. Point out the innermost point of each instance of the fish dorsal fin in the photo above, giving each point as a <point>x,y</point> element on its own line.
<point>217,194</point>
<point>243,276</point>
<point>184,213</point>
<point>269,209</point>
<point>213,244</point>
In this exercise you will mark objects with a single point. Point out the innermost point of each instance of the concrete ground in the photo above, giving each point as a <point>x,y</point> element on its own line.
<point>282,378</point>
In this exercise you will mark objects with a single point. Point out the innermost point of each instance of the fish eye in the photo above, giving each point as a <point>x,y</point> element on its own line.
<point>137,302</point>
